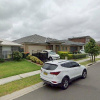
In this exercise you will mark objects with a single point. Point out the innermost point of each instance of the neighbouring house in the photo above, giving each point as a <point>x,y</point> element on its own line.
<point>98,42</point>
<point>83,39</point>
<point>72,46</point>
<point>7,48</point>
<point>35,43</point>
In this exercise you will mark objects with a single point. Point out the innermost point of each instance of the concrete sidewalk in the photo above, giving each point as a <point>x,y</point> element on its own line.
<point>17,77</point>
<point>86,59</point>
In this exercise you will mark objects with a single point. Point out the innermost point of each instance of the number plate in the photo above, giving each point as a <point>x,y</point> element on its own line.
<point>45,73</point>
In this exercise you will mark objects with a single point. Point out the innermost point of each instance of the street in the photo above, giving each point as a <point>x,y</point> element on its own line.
<point>81,89</point>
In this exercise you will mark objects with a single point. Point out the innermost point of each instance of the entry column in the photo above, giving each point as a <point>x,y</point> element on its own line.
<point>54,47</point>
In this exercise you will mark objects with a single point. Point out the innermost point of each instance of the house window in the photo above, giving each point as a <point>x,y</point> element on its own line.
<point>87,40</point>
<point>6,52</point>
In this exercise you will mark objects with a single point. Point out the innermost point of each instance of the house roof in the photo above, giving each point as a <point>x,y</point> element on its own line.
<point>36,39</point>
<point>67,42</point>
<point>79,37</point>
<point>8,43</point>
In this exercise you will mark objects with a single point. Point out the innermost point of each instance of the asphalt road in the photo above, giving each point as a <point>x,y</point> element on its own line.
<point>81,89</point>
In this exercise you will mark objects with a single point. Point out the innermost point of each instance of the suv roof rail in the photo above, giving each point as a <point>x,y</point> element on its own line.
<point>62,61</point>
<point>65,61</point>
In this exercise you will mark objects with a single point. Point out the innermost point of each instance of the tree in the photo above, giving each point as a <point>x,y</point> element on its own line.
<point>92,48</point>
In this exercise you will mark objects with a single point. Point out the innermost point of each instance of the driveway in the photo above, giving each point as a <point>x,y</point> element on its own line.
<point>81,89</point>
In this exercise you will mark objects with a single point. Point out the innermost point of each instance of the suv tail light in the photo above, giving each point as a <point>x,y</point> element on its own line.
<point>54,73</point>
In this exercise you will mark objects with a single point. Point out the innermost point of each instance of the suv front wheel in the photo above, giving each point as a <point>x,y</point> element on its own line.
<point>65,83</point>
<point>50,58</point>
<point>84,74</point>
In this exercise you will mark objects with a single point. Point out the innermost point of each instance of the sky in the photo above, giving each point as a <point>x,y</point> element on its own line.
<point>60,19</point>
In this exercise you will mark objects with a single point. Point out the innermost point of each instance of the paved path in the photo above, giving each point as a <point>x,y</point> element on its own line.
<point>17,77</point>
<point>82,89</point>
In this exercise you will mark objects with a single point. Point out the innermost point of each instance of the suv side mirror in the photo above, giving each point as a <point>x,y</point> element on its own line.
<point>79,65</point>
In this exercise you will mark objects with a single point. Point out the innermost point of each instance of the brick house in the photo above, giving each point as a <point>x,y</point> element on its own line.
<point>83,39</point>
<point>98,42</point>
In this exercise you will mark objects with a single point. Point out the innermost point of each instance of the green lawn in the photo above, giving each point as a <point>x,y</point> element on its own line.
<point>87,62</point>
<point>11,68</point>
<point>19,84</point>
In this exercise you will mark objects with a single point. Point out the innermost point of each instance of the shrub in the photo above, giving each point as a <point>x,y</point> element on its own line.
<point>25,54</point>
<point>63,54</point>
<point>17,55</point>
<point>41,63</point>
<point>77,56</point>
<point>2,60</point>
<point>28,57</point>
<point>35,60</point>
<point>70,56</point>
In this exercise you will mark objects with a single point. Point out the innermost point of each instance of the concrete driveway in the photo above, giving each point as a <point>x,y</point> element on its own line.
<point>81,89</point>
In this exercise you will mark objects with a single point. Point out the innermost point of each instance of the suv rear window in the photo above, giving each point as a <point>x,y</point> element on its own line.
<point>50,66</point>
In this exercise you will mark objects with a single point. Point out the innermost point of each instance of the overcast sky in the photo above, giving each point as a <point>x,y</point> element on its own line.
<point>59,19</point>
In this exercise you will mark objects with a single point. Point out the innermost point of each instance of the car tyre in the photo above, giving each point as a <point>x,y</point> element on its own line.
<point>65,83</point>
<point>50,58</point>
<point>84,74</point>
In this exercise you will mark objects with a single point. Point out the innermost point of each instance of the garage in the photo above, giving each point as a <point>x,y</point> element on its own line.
<point>35,48</point>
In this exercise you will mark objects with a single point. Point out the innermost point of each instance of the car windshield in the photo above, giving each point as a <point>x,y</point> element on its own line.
<point>52,53</point>
<point>82,50</point>
<point>50,66</point>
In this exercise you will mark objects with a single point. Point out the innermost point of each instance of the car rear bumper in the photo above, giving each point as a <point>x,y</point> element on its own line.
<point>47,82</point>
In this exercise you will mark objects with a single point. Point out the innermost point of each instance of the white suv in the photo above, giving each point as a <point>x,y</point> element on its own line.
<point>61,72</point>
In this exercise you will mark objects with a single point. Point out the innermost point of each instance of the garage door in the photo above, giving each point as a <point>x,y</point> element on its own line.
<point>35,48</point>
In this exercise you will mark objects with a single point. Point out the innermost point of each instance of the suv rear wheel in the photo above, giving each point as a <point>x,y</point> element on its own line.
<point>65,83</point>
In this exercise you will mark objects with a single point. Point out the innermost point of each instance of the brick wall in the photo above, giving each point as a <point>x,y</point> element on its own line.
<point>83,40</point>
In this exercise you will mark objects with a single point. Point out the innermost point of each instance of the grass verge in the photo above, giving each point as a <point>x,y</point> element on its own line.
<point>11,68</point>
<point>80,59</point>
<point>19,84</point>
<point>87,62</point>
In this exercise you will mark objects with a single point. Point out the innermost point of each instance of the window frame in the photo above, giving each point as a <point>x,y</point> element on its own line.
<point>78,65</point>
<point>50,65</point>
<point>65,66</point>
